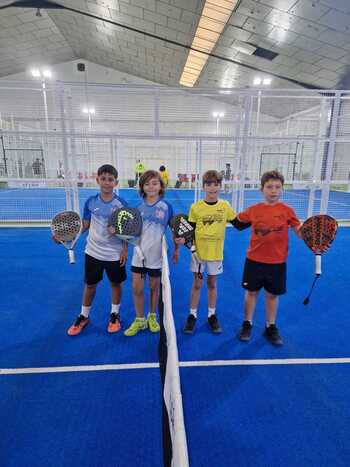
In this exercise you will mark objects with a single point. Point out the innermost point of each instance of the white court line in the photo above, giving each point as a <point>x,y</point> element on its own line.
<point>138,366</point>
<point>273,361</point>
<point>73,369</point>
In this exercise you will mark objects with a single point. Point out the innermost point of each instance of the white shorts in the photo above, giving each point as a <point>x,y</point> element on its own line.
<point>213,268</point>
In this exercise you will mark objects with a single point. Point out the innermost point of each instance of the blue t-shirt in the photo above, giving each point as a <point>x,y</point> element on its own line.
<point>155,219</point>
<point>100,243</point>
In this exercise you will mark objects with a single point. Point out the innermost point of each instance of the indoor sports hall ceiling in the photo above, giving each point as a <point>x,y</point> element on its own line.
<point>311,40</point>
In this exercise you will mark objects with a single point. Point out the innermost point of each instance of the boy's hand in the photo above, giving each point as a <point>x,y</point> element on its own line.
<point>179,241</point>
<point>176,255</point>
<point>54,239</point>
<point>124,255</point>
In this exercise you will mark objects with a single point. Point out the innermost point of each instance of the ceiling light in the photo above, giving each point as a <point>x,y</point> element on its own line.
<point>215,15</point>
<point>35,72</point>
<point>218,114</point>
<point>88,110</point>
<point>267,81</point>
<point>47,73</point>
<point>257,81</point>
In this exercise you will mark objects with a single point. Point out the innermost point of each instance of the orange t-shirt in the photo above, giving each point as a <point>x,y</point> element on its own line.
<point>269,231</point>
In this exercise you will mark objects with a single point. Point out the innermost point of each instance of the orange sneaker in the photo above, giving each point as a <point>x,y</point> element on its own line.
<point>78,326</point>
<point>114,324</point>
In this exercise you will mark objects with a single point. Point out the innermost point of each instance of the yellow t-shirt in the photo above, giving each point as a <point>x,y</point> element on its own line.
<point>165,177</point>
<point>211,220</point>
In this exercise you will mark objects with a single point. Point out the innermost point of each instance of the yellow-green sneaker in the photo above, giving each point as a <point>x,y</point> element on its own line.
<point>152,322</point>
<point>136,326</point>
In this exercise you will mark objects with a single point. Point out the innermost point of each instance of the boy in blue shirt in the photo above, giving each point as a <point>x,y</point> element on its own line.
<point>103,252</point>
<point>156,213</point>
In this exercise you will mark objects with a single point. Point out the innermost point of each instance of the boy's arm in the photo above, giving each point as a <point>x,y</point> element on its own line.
<point>239,225</point>
<point>86,225</point>
<point>297,230</point>
<point>124,254</point>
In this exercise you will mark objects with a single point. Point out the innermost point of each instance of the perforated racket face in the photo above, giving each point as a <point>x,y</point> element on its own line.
<point>181,227</point>
<point>319,232</point>
<point>127,222</point>
<point>65,226</point>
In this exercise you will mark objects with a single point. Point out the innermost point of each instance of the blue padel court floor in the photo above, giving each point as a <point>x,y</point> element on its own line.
<point>95,399</point>
<point>37,204</point>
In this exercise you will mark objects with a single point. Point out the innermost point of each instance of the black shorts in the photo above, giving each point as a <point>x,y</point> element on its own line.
<point>144,271</point>
<point>94,270</point>
<point>272,277</point>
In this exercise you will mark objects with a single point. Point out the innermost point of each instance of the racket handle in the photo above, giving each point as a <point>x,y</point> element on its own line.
<point>318,270</point>
<point>71,256</point>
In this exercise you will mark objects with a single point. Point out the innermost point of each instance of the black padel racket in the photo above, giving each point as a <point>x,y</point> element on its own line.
<point>126,223</point>
<point>66,227</point>
<point>181,228</point>
<point>318,232</point>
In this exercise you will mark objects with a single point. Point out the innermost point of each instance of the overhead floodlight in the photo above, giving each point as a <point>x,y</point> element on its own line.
<point>215,15</point>
<point>35,72</point>
<point>47,73</point>
<point>267,81</point>
<point>218,114</point>
<point>88,110</point>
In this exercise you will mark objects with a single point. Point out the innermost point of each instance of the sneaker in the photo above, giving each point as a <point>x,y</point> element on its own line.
<point>78,325</point>
<point>136,326</point>
<point>245,331</point>
<point>114,323</point>
<point>272,335</point>
<point>152,322</point>
<point>190,324</point>
<point>214,324</point>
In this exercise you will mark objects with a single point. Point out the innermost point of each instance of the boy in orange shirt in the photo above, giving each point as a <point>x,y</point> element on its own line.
<point>265,265</point>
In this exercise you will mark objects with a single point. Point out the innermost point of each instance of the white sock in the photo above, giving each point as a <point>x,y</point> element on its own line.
<point>115,308</point>
<point>193,311</point>
<point>268,324</point>
<point>211,312</point>
<point>85,311</point>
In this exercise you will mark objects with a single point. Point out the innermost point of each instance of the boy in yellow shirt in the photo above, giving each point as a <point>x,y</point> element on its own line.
<point>209,217</point>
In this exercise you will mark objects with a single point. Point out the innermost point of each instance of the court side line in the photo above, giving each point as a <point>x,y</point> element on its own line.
<point>79,368</point>
<point>273,361</point>
<point>138,366</point>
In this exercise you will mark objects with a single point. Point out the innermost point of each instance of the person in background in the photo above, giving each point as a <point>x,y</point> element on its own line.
<point>139,170</point>
<point>164,175</point>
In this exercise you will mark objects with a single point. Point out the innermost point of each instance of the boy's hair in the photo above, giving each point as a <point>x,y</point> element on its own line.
<point>108,169</point>
<point>162,168</point>
<point>146,177</point>
<point>211,176</point>
<point>271,175</point>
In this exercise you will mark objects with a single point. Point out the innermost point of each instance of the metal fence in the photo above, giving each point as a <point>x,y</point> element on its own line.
<point>57,135</point>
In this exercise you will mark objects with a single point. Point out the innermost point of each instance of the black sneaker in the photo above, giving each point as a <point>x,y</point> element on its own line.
<point>245,331</point>
<point>190,324</point>
<point>214,324</point>
<point>272,335</point>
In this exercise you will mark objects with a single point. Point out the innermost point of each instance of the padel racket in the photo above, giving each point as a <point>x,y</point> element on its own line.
<point>181,228</point>
<point>126,223</point>
<point>66,227</point>
<point>318,232</point>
